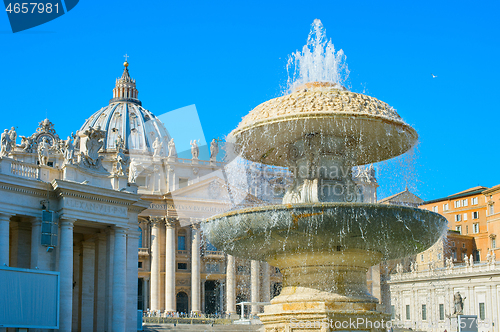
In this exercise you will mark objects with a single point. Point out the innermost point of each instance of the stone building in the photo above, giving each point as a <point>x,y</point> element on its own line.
<point>421,294</point>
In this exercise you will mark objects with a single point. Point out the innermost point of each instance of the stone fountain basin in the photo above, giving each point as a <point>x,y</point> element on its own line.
<point>263,233</point>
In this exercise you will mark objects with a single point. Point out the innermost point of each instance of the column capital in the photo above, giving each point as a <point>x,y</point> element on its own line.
<point>5,216</point>
<point>156,220</point>
<point>195,227</point>
<point>66,221</point>
<point>171,222</point>
<point>120,230</point>
<point>36,221</point>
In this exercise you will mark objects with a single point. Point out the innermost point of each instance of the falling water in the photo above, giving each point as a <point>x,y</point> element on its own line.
<point>318,61</point>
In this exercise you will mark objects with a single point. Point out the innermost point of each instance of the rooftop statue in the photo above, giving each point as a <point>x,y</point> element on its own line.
<point>43,152</point>
<point>214,150</point>
<point>195,151</point>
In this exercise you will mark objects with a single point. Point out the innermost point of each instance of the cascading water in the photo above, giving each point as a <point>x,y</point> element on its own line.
<point>326,233</point>
<point>318,61</point>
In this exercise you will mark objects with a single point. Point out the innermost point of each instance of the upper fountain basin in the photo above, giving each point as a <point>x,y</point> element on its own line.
<point>373,130</point>
<point>261,233</point>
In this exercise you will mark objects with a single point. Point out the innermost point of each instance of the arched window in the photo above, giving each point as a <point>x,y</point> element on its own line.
<point>182,302</point>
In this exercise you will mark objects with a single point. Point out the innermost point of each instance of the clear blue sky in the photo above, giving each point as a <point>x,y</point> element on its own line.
<point>228,57</point>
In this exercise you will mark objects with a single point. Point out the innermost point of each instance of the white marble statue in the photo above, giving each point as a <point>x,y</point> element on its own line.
<point>121,162</point>
<point>195,151</point>
<point>119,143</point>
<point>69,151</point>
<point>488,257</point>
<point>93,144</point>
<point>5,143</point>
<point>43,152</point>
<point>76,140</point>
<point>157,146</point>
<point>214,150</point>
<point>171,148</point>
<point>132,172</point>
<point>471,260</point>
<point>13,137</point>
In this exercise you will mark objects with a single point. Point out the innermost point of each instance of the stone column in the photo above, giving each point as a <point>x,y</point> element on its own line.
<point>87,288</point>
<point>230,286</point>
<point>108,301</point>
<point>100,280</point>
<point>4,239</point>
<point>155,262</point>
<point>66,275</point>
<point>120,280</point>
<point>195,268</point>
<point>36,238</point>
<point>132,276</point>
<point>254,281</point>
<point>170,266</point>
<point>266,283</point>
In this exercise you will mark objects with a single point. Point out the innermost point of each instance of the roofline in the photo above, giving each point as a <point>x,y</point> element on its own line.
<point>469,193</point>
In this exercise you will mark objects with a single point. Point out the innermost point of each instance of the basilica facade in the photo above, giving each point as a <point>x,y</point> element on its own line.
<point>120,216</point>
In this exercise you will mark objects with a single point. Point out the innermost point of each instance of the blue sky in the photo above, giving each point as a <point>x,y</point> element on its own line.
<point>226,57</point>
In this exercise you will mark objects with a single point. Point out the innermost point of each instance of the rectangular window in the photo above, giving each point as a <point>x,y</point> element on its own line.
<point>439,256</point>
<point>465,202</point>
<point>475,227</point>
<point>458,217</point>
<point>181,242</point>
<point>422,257</point>
<point>475,215</point>
<point>445,207</point>
<point>463,245</point>
<point>493,243</point>
<point>441,311</point>
<point>481,311</point>
<point>466,229</point>
<point>139,265</point>
<point>407,312</point>
<point>457,204</point>
<point>393,312</point>
<point>465,216</point>
<point>452,243</point>
<point>459,229</point>
<point>424,312</point>
<point>475,200</point>
<point>435,209</point>
<point>454,254</point>
<point>491,209</point>
<point>182,266</point>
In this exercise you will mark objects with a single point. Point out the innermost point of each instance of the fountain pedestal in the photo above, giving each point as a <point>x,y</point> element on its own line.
<point>326,291</point>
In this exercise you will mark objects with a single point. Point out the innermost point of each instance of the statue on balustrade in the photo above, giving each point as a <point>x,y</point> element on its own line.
<point>171,149</point>
<point>214,150</point>
<point>157,146</point>
<point>43,152</point>
<point>5,143</point>
<point>195,151</point>
<point>69,151</point>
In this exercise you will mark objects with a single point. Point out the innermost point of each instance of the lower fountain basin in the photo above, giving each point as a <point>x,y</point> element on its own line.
<point>267,232</point>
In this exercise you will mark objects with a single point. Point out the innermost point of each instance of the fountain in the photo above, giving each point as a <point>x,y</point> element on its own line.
<point>323,237</point>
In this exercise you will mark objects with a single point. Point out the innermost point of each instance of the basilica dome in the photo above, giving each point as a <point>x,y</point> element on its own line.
<point>125,118</point>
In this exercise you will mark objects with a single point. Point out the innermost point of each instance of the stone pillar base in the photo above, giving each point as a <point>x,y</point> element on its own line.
<point>306,309</point>
<point>325,291</point>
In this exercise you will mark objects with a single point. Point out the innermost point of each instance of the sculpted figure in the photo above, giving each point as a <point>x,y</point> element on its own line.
<point>458,308</point>
<point>171,148</point>
<point>132,172</point>
<point>43,152</point>
<point>121,162</point>
<point>157,145</point>
<point>5,143</point>
<point>69,151</point>
<point>119,144</point>
<point>214,150</point>
<point>76,140</point>
<point>195,151</point>
<point>13,136</point>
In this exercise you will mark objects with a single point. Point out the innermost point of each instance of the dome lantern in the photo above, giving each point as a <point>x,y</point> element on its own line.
<point>125,89</point>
